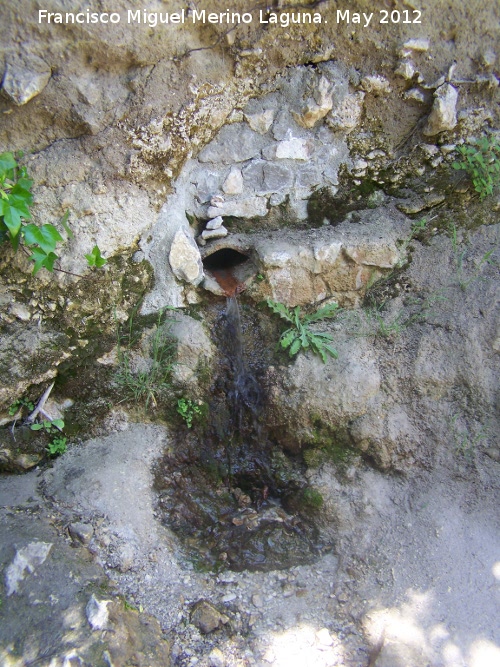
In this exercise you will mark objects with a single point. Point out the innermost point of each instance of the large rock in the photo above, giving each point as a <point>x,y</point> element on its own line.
<point>319,106</point>
<point>310,401</point>
<point>22,82</point>
<point>243,207</point>
<point>309,266</point>
<point>347,115</point>
<point>234,143</point>
<point>265,177</point>
<point>444,111</point>
<point>185,259</point>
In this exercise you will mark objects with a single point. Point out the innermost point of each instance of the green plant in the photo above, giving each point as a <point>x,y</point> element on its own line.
<point>148,384</point>
<point>95,258</point>
<point>299,336</point>
<point>481,160</point>
<point>312,499</point>
<point>50,427</point>
<point>57,446</point>
<point>463,280</point>
<point>416,229</point>
<point>188,409</point>
<point>464,443</point>
<point>19,404</point>
<point>39,243</point>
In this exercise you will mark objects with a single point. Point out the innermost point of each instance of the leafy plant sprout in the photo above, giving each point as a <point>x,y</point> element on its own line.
<point>300,336</point>
<point>481,160</point>
<point>188,409</point>
<point>57,447</point>
<point>460,256</point>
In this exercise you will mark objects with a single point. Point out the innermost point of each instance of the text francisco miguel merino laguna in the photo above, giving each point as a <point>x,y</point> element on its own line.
<point>153,19</point>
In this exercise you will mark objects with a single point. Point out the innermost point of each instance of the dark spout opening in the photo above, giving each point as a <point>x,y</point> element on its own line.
<point>224,259</point>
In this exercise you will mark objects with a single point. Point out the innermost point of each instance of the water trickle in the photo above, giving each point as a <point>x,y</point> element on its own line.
<point>230,493</point>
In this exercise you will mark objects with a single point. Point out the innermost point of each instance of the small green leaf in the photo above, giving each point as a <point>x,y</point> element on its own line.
<point>12,219</point>
<point>45,236</point>
<point>65,226</point>
<point>36,427</point>
<point>295,347</point>
<point>58,423</point>
<point>7,162</point>
<point>287,338</point>
<point>42,260</point>
<point>95,258</point>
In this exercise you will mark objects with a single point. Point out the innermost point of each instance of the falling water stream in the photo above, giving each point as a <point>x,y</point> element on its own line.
<point>227,490</point>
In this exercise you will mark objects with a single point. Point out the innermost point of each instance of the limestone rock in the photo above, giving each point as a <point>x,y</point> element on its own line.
<point>444,111</point>
<point>415,94</point>
<point>293,149</point>
<point>97,613</point>
<point>20,311</point>
<point>234,143</point>
<point>376,84</point>
<point>21,83</point>
<point>194,350</point>
<point>248,207</point>
<point>214,223</point>
<point>417,44</point>
<point>306,267</point>
<point>206,617</point>
<point>217,201</point>
<point>218,233</point>
<point>260,122</point>
<point>380,433</point>
<point>264,177</point>
<point>406,69</point>
<point>83,532</point>
<point>319,106</point>
<point>341,394</point>
<point>26,561</point>
<point>347,115</point>
<point>233,185</point>
<point>185,259</point>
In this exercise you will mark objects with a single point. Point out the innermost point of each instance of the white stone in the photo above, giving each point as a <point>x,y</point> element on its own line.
<point>185,259</point>
<point>417,44</point>
<point>293,149</point>
<point>233,185</point>
<point>260,122</point>
<point>219,233</point>
<point>216,658</point>
<point>21,84</point>
<point>20,311</point>
<point>415,94</point>
<point>375,84</point>
<point>249,207</point>
<point>324,637</point>
<point>360,164</point>
<point>348,114</point>
<point>444,111</point>
<point>406,69</point>
<point>217,200</point>
<point>25,562</point>
<point>319,106</point>
<point>215,223</point>
<point>97,613</point>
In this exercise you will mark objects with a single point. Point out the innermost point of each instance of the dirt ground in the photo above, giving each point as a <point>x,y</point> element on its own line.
<point>413,578</point>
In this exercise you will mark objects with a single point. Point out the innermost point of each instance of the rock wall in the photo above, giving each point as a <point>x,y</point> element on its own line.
<point>135,134</point>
